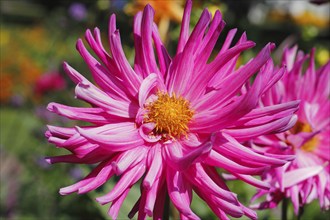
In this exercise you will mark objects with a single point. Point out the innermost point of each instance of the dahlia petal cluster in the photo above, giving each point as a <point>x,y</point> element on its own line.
<point>170,122</point>
<point>306,178</point>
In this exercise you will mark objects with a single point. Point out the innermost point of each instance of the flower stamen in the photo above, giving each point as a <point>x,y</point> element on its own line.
<point>171,115</point>
<point>311,144</point>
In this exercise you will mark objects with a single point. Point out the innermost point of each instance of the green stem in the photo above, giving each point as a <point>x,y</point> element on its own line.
<point>284,209</point>
<point>300,213</point>
<point>166,213</point>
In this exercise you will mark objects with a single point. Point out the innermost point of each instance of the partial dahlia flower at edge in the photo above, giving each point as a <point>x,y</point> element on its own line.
<point>171,122</point>
<point>306,178</point>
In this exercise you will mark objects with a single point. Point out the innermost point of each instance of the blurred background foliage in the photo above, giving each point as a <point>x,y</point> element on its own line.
<point>37,36</point>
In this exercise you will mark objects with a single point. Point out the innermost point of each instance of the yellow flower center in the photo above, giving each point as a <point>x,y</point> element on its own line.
<point>300,127</point>
<point>304,127</point>
<point>170,114</point>
<point>310,145</point>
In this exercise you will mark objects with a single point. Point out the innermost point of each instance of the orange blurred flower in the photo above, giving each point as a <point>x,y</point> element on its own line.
<point>302,14</point>
<point>23,60</point>
<point>309,18</point>
<point>165,12</point>
<point>6,87</point>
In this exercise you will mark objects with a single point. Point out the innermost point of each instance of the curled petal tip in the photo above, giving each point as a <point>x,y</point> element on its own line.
<point>88,32</point>
<point>65,65</point>
<point>79,44</point>
<point>189,3</point>
<point>146,185</point>
<point>78,129</point>
<point>51,107</point>
<point>115,168</point>
<point>148,211</point>
<point>272,46</point>
<point>148,8</point>
<point>48,160</point>
<point>96,30</point>
<point>64,191</point>
<point>48,134</point>
<point>102,201</point>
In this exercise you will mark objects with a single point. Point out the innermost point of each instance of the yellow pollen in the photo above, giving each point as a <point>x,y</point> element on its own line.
<point>305,127</point>
<point>310,145</point>
<point>300,127</point>
<point>170,114</point>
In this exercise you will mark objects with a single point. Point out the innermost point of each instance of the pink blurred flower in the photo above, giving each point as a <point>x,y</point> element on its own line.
<point>307,177</point>
<point>52,81</point>
<point>171,121</point>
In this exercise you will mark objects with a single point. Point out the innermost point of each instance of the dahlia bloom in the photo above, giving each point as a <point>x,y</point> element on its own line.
<point>307,177</point>
<point>171,121</point>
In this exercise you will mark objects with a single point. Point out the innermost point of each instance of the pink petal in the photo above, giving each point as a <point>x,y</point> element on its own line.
<point>294,193</point>
<point>88,159</point>
<point>180,161</point>
<point>95,96</point>
<point>61,131</point>
<point>70,189</point>
<point>128,179</point>
<point>97,47</point>
<point>151,197</point>
<point>216,159</point>
<point>155,169</point>
<point>146,40</point>
<point>179,192</point>
<point>74,75</point>
<point>243,152</point>
<point>253,181</point>
<point>102,76</point>
<point>199,84</point>
<point>145,130</point>
<point>267,128</point>
<point>128,159</point>
<point>116,204</point>
<point>150,84</point>
<point>229,38</point>
<point>184,32</point>
<point>204,50</point>
<point>249,213</point>
<point>93,115</point>
<point>117,142</point>
<point>160,201</point>
<point>163,58</point>
<point>185,62</point>
<point>231,84</point>
<point>230,208</point>
<point>199,177</point>
<point>133,80</point>
<point>269,111</point>
<point>104,175</point>
<point>296,176</point>
<point>142,210</point>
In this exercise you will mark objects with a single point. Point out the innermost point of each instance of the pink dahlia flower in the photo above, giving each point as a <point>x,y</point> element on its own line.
<point>171,121</point>
<point>307,177</point>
